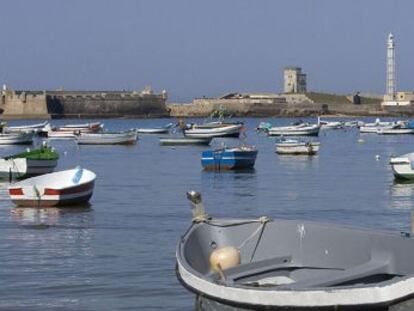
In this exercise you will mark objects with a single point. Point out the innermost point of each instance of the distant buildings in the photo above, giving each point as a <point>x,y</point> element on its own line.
<point>294,80</point>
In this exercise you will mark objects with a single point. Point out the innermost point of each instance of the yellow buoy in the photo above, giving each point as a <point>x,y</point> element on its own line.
<point>224,258</point>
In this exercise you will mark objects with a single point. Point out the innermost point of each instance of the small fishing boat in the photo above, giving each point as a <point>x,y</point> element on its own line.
<point>232,130</point>
<point>401,127</point>
<point>377,126</point>
<point>16,138</point>
<point>264,264</point>
<point>304,129</point>
<point>69,131</point>
<point>293,146</point>
<point>243,157</point>
<point>403,166</point>
<point>69,187</point>
<point>155,130</point>
<point>107,138</point>
<point>29,163</point>
<point>330,124</point>
<point>56,134</point>
<point>395,131</point>
<point>176,141</point>
<point>82,128</point>
<point>35,128</point>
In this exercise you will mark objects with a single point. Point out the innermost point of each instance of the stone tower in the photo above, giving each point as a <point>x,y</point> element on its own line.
<point>294,80</point>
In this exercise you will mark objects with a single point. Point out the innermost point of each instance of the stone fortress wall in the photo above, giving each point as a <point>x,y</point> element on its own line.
<point>84,104</point>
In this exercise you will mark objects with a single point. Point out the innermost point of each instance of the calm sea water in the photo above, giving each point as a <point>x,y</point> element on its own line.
<point>119,254</point>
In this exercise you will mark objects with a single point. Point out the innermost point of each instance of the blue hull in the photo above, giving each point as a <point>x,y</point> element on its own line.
<point>228,160</point>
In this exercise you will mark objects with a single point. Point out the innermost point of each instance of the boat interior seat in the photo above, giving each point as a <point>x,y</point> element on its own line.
<point>258,267</point>
<point>327,277</point>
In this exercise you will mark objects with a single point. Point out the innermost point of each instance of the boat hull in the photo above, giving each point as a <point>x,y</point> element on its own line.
<point>16,139</point>
<point>216,160</point>
<point>294,131</point>
<point>298,148</point>
<point>328,267</point>
<point>395,131</point>
<point>224,131</point>
<point>107,139</point>
<point>63,188</point>
<point>184,141</point>
<point>152,131</point>
<point>403,167</point>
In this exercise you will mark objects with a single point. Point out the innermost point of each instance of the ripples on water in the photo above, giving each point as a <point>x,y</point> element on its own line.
<point>119,253</point>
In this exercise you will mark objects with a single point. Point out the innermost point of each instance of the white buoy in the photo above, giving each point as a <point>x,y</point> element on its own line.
<point>377,157</point>
<point>361,141</point>
<point>224,258</point>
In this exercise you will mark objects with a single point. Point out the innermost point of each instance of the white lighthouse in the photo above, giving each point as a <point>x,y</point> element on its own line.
<point>391,88</point>
<point>392,97</point>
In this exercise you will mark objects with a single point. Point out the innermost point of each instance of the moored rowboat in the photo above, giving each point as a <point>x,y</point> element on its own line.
<point>62,188</point>
<point>26,128</point>
<point>403,166</point>
<point>107,138</point>
<point>243,157</point>
<point>155,130</point>
<point>295,130</point>
<point>16,138</point>
<point>29,163</point>
<point>265,264</point>
<point>232,130</point>
<point>292,146</point>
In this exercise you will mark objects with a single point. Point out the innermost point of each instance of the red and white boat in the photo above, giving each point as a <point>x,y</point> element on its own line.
<point>69,187</point>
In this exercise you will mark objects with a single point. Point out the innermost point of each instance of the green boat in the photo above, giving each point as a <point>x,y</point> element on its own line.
<point>29,163</point>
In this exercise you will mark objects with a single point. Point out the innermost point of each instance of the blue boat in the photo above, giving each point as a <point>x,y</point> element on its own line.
<point>229,158</point>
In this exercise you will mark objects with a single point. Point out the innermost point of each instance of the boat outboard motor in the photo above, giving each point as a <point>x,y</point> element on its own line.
<point>197,206</point>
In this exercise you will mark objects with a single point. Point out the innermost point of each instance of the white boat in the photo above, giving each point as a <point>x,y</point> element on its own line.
<point>303,129</point>
<point>403,166</point>
<point>55,134</point>
<point>176,141</point>
<point>29,163</point>
<point>35,128</point>
<point>265,264</point>
<point>379,123</point>
<point>69,131</point>
<point>331,124</point>
<point>232,130</point>
<point>107,138</point>
<point>155,130</point>
<point>395,131</point>
<point>82,128</point>
<point>291,146</point>
<point>61,188</point>
<point>16,138</point>
<point>377,126</point>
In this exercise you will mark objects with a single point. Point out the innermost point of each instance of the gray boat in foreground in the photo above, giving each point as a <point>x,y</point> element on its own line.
<point>233,264</point>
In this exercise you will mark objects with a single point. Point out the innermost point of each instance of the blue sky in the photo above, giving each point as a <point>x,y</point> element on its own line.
<point>195,48</point>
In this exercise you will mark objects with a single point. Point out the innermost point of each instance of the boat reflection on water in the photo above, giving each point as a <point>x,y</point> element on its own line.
<point>298,162</point>
<point>52,216</point>
<point>402,192</point>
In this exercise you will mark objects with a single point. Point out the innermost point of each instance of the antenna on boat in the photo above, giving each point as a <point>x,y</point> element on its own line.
<point>197,206</point>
